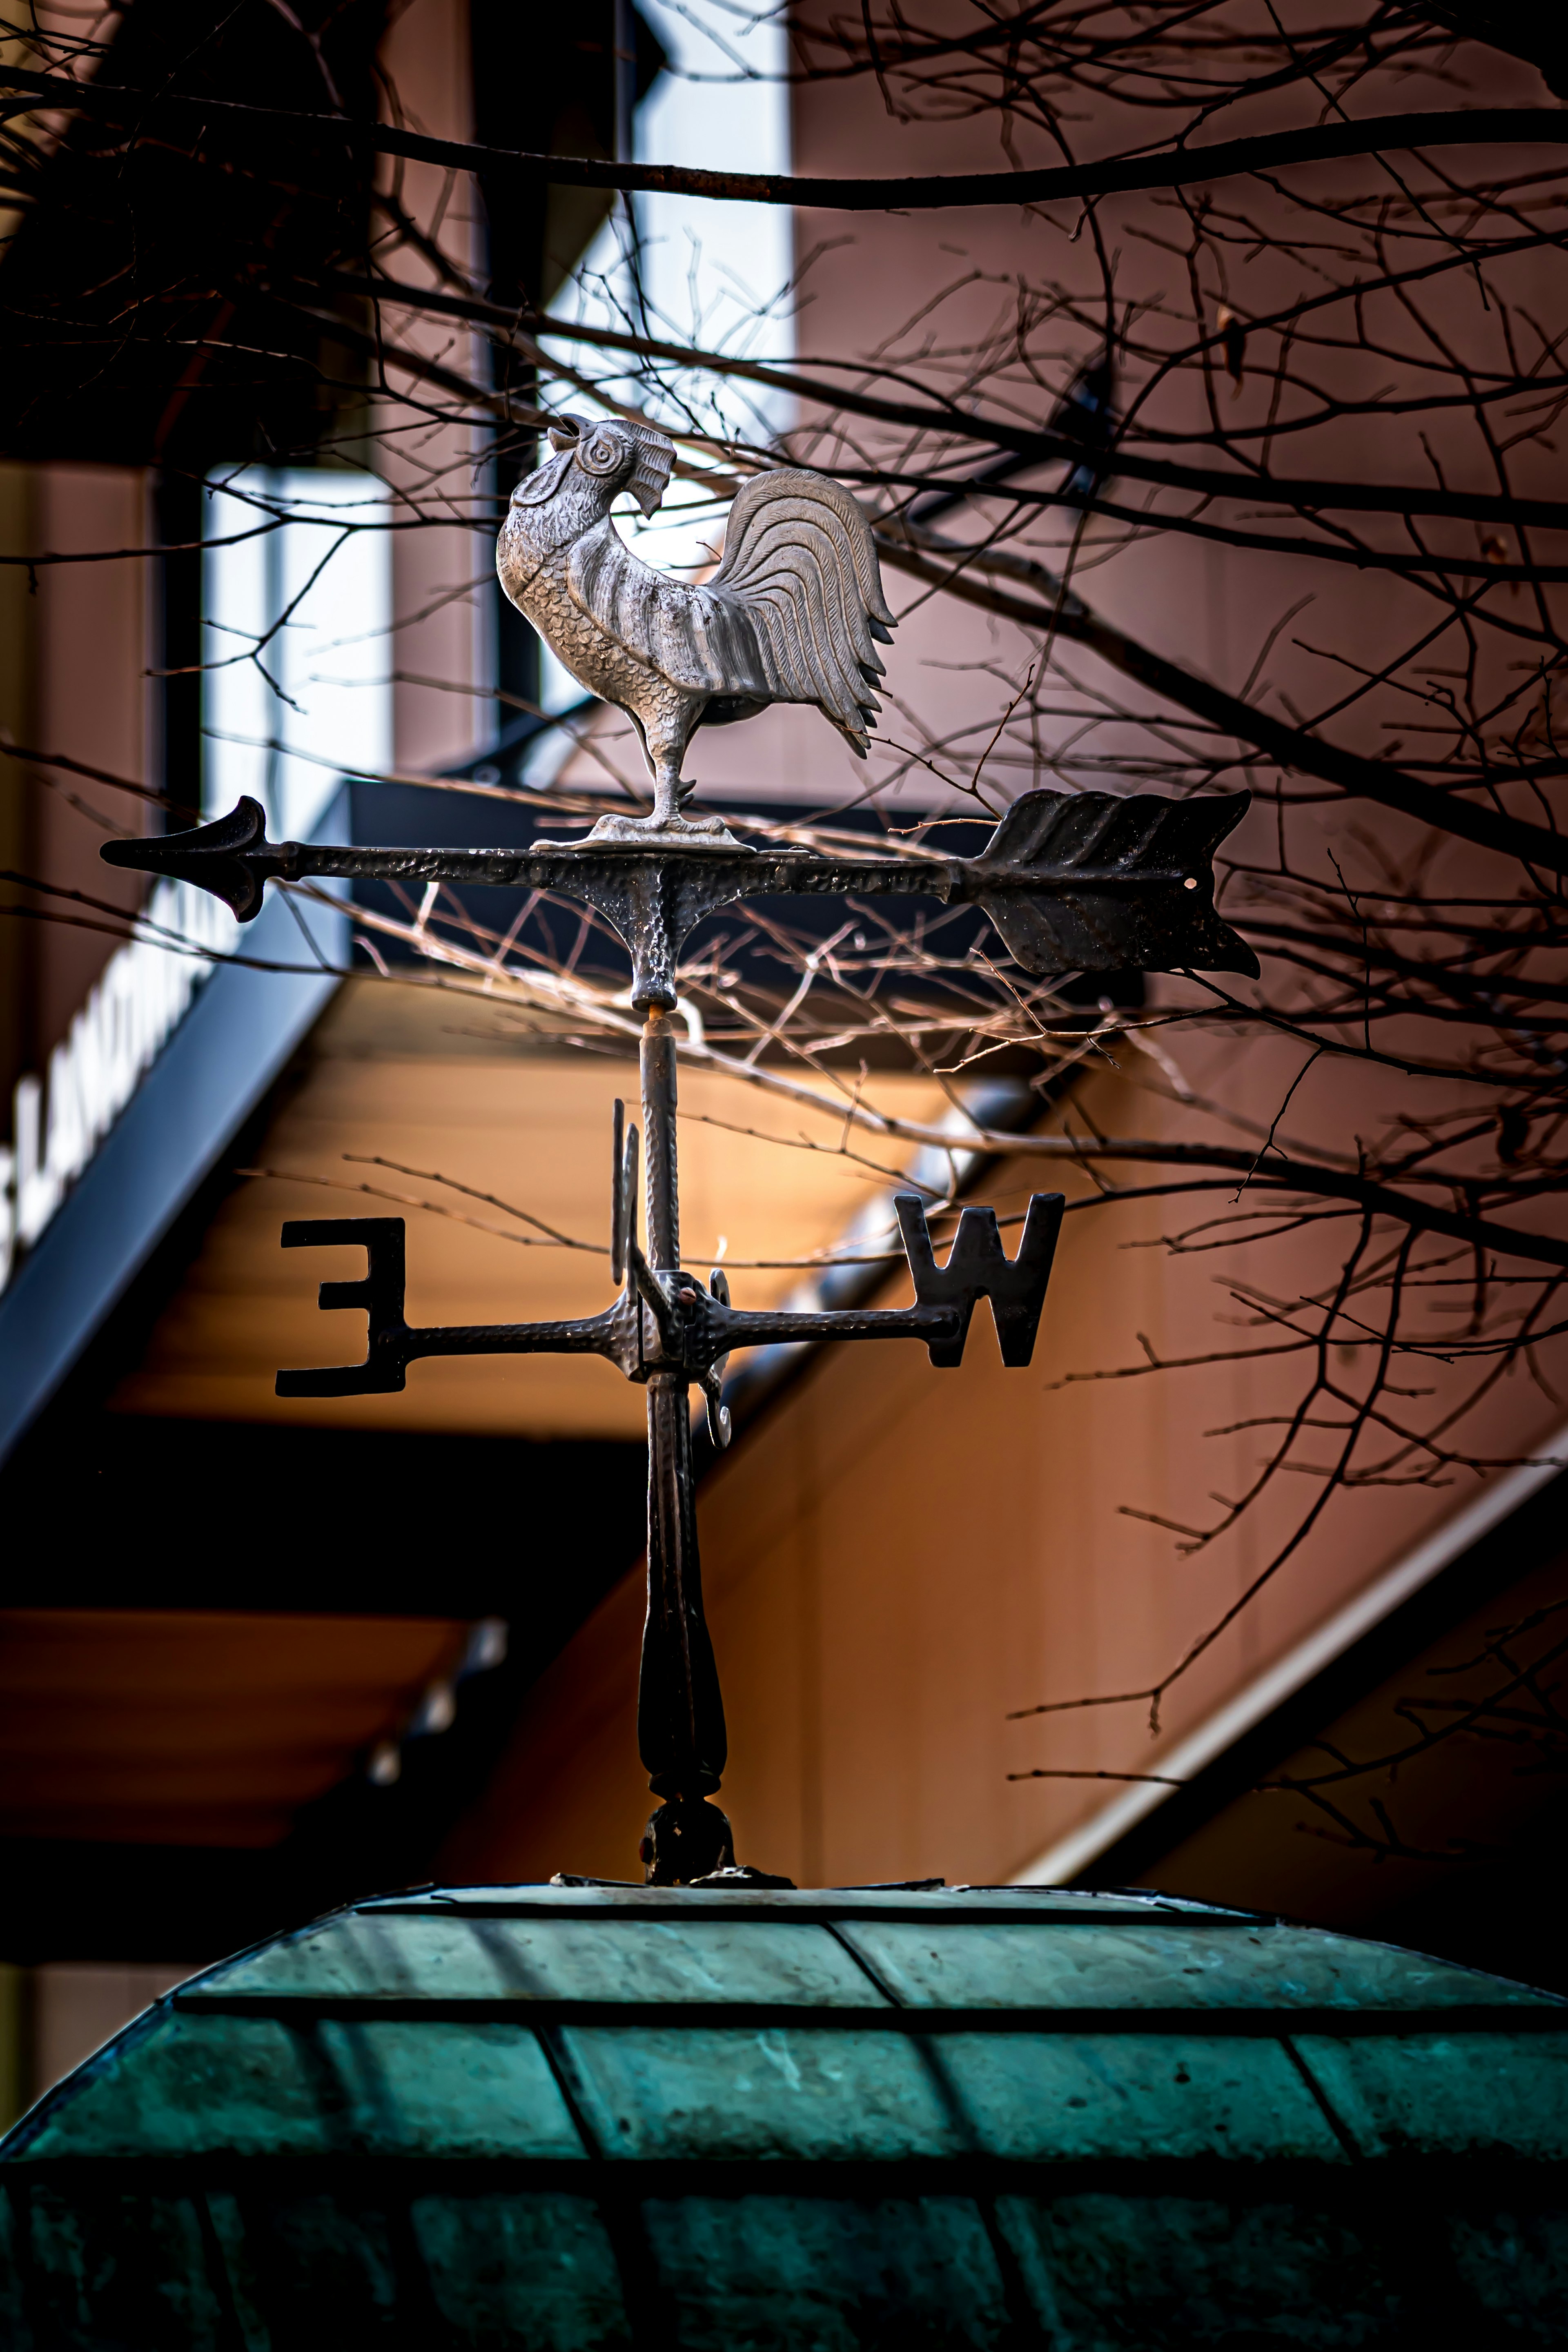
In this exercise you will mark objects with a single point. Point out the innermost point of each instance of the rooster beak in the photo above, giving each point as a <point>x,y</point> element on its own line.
<point>566,434</point>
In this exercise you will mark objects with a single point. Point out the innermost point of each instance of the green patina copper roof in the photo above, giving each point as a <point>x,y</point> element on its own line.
<point>574,2117</point>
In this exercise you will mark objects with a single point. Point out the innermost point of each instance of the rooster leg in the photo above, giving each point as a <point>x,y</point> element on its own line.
<point>668,792</point>
<point>667,737</point>
<point>666,731</point>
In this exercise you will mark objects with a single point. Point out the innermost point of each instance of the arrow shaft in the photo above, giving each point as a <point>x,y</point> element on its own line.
<point>798,874</point>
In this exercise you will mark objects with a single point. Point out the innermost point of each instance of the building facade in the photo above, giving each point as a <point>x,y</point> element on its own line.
<point>263,1656</point>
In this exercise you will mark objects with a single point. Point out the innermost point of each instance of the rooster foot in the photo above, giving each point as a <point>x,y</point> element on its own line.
<point>674,832</point>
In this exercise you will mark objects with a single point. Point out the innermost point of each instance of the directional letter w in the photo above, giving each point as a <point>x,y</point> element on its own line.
<point>978,1267</point>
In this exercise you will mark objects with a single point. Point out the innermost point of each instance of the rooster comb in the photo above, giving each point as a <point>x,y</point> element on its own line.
<point>650,474</point>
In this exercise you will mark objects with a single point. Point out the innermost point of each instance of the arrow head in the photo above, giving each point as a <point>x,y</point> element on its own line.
<point>232,857</point>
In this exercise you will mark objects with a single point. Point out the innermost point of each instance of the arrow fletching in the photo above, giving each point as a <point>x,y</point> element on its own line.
<point>1109,882</point>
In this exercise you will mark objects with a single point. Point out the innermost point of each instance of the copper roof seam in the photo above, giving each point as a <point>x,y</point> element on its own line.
<point>565,2076</point>
<point>1331,2117</point>
<point>868,1967</point>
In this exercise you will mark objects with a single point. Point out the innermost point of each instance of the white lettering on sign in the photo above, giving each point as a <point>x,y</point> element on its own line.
<point>296,687</point>
<point>143,994</point>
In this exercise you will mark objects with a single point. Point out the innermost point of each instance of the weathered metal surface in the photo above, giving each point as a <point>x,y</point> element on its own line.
<point>1162,1966</point>
<point>574,2117</point>
<point>1443,2094</point>
<point>855,1957</point>
<point>758,2095</point>
<point>367,1957</point>
<point>332,2087</point>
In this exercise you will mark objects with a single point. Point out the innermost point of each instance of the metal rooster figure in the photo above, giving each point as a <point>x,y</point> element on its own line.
<point>1072,881</point>
<point>789,616</point>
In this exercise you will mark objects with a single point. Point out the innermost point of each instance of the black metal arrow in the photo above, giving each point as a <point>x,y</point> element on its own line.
<point>1073,881</point>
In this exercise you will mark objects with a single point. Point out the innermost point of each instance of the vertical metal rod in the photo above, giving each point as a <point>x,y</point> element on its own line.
<point>680,1714</point>
<point>658,1100</point>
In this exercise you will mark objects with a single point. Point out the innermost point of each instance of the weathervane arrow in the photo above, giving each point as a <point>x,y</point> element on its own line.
<point>1073,881</point>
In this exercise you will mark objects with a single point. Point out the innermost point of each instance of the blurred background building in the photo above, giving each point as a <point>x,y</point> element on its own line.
<point>257,1657</point>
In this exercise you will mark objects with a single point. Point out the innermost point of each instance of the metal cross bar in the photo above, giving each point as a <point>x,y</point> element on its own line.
<point>1085,881</point>
<point>666,1323</point>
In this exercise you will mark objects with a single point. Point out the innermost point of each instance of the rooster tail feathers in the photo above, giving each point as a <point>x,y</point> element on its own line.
<point>799,558</point>
<point>795,613</point>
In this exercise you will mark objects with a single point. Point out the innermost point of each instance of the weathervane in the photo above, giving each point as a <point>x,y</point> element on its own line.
<point>1073,882</point>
